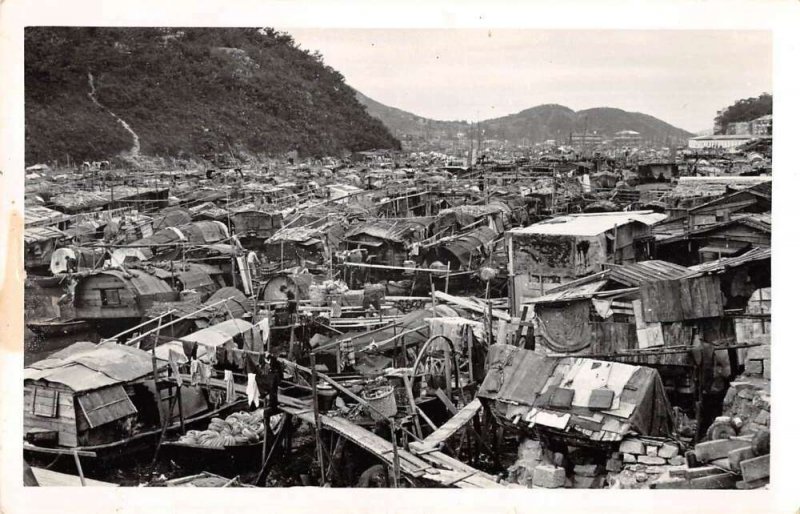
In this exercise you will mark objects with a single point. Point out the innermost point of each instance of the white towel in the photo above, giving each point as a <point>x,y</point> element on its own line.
<point>252,390</point>
<point>229,392</point>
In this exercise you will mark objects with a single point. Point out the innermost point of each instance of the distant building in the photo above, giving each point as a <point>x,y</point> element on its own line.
<point>718,141</point>
<point>586,139</point>
<point>627,138</point>
<point>739,128</point>
<point>761,126</point>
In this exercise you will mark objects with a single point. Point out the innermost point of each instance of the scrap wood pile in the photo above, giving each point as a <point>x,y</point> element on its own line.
<point>739,461</point>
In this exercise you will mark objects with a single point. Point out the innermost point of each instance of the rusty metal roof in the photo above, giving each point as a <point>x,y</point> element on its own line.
<point>756,254</point>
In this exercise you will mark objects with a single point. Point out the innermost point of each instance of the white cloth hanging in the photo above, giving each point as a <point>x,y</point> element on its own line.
<point>229,392</point>
<point>252,390</point>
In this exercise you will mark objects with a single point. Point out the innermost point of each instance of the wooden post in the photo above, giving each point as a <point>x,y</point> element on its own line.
<point>433,295</point>
<point>447,278</point>
<point>489,315</point>
<point>80,468</point>
<point>315,400</point>
<point>396,457</point>
<point>412,405</point>
<point>469,355</point>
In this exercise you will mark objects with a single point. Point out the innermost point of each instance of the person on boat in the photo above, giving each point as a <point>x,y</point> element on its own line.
<point>268,381</point>
<point>291,302</point>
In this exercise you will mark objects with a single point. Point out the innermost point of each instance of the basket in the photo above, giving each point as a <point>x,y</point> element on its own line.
<point>382,400</point>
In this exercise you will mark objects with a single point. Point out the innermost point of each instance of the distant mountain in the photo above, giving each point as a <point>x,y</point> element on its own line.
<point>537,124</point>
<point>93,93</point>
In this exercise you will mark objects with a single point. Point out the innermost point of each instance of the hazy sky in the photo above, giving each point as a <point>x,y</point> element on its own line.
<point>682,77</point>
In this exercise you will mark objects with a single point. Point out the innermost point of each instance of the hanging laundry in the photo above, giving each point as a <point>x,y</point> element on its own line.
<point>194,370</point>
<point>173,366</point>
<point>252,390</point>
<point>206,372</point>
<point>229,392</point>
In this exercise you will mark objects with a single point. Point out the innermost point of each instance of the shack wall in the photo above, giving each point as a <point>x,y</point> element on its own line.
<point>64,423</point>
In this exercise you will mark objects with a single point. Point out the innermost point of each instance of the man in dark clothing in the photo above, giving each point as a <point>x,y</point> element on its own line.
<point>291,303</point>
<point>268,380</point>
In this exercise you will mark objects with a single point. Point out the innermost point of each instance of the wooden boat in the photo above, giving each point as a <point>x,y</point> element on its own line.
<point>102,403</point>
<point>47,281</point>
<point>53,327</point>
<point>228,460</point>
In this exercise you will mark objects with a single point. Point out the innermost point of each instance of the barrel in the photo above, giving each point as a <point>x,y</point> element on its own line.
<point>326,396</point>
<point>382,400</point>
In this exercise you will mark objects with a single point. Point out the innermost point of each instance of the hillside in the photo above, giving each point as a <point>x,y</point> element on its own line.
<point>184,93</point>
<point>536,124</point>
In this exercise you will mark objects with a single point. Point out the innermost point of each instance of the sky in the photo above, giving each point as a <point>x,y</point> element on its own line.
<point>680,76</point>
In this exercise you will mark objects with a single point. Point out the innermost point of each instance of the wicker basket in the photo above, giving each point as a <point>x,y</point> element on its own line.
<point>382,400</point>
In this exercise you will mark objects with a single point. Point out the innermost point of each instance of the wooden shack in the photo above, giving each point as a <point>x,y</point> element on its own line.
<point>40,243</point>
<point>388,241</point>
<point>558,250</point>
<point>79,396</point>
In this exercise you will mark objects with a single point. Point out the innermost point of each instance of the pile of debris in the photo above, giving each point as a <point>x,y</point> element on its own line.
<point>641,462</point>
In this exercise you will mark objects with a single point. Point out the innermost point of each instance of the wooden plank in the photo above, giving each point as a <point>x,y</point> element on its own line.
<point>721,481</point>
<point>470,305</point>
<point>755,469</point>
<point>735,457</point>
<point>48,478</point>
<point>453,425</point>
<point>712,450</point>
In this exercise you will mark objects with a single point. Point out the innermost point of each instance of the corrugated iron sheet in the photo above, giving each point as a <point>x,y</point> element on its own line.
<point>589,224</point>
<point>756,254</point>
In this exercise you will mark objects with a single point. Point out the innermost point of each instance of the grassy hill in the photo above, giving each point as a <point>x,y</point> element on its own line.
<point>186,92</point>
<point>536,124</point>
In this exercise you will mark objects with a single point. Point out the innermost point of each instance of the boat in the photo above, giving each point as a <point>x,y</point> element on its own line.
<point>54,327</point>
<point>227,460</point>
<point>107,402</point>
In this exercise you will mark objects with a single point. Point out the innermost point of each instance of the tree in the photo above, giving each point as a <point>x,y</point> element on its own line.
<point>746,109</point>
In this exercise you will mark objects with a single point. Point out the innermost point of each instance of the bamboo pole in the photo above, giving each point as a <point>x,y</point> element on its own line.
<point>395,459</point>
<point>317,423</point>
<point>141,336</point>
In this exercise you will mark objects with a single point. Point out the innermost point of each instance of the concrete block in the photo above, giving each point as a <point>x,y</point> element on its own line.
<point>549,476</point>
<point>628,458</point>
<point>711,450</point>
<point>768,369</point>
<point>651,461</point>
<point>755,469</point>
<point>668,451</point>
<point>641,476</point>
<point>614,465</point>
<point>735,457</point>
<point>677,460</point>
<point>762,418</point>
<point>754,368</point>
<point>745,393</point>
<point>587,470</point>
<point>633,446</point>
<point>652,451</point>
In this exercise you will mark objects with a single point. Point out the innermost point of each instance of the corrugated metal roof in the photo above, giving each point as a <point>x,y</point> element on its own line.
<point>629,275</point>
<point>391,230</point>
<point>82,367</point>
<point>756,254</point>
<point>37,234</point>
<point>589,224</point>
<point>646,271</point>
<point>38,215</point>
